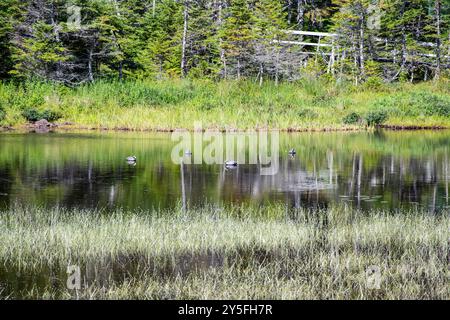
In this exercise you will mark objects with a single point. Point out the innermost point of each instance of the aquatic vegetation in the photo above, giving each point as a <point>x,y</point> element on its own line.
<point>235,252</point>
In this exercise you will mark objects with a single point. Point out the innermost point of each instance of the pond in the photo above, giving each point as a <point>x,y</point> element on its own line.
<point>382,169</point>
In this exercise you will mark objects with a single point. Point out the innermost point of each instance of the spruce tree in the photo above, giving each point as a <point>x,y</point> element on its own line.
<point>269,25</point>
<point>237,36</point>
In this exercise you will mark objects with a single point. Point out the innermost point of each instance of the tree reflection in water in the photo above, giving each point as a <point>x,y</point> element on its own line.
<point>86,170</point>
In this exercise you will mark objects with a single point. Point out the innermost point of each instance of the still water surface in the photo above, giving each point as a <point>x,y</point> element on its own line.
<point>382,169</point>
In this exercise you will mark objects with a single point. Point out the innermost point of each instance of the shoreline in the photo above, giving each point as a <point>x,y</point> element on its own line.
<point>73,127</point>
<point>169,106</point>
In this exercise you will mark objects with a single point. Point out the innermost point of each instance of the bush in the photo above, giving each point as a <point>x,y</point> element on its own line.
<point>31,115</point>
<point>415,104</point>
<point>307,113</point>
<point>2,114</point>
<point>433,104</point>
<point>50,115</point>
<point>376,117</point>
<point>351,118</point>
<point>34,115</point>
<point>373,83</point>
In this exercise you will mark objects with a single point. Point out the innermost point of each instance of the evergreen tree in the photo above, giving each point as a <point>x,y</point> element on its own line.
<point>237,36</point>
<point>159,37</point>
<point>9,16</point>
<point>38,46</point>
<point>222,39</point>
<point>203,53</point>
<point>270,22</point>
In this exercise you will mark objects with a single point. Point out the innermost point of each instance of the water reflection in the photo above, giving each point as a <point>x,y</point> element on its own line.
<point>87,170</point>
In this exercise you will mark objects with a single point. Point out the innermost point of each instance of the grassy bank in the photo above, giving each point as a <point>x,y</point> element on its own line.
<point>165,105</point>
<point>237,252</point>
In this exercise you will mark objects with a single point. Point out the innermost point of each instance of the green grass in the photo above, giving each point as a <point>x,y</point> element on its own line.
<point>217,252</point>
<point>172,104</point>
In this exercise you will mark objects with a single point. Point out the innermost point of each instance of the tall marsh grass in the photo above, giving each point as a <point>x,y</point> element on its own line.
<point>217,252</point>
<point>164,105</point>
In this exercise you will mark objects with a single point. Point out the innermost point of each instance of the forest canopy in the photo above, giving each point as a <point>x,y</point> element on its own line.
<point>74,42</point>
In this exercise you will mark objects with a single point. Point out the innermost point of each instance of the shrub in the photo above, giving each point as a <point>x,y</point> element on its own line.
<point>376,117</point>
<point>33,115</point>
<point>373,83</point>
<point>50,115</point>
<point>415,104</point>
<point>433,105</point>
<point>351,118</point>
<point>307,113</point>
<point>2,114</point>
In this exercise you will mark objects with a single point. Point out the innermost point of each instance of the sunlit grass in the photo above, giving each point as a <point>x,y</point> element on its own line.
<point>172,104</point>
<point>233,252</point>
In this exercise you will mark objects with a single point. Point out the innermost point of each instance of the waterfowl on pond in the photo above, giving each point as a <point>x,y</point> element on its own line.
<point>231,163</point>
<point>131,159</point>
<point>292,152</point>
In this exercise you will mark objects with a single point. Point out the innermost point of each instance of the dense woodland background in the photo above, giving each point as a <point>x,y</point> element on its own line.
<point>381,40</point>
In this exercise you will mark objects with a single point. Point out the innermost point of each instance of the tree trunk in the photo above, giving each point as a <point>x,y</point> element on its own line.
<point>261,70</point>
<point>90,73</point>
<point>55,26</point>
<point>222,51</point>
<point>277,62</point>
<point>355,59</point>
<point>289,12</point>
<point>183,49</point>
<point>361,45</point>
<point>437,8</point>
<point>238,69</point>
<point>403,62</point>
<point>300,14</point>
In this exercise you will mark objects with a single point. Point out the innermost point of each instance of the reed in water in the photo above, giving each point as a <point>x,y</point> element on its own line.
<point>234,252</point>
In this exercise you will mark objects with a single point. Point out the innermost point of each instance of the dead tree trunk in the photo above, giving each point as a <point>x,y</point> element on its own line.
<point>90,71</point>
<point>261,71</point>
<point>239,69</point>
<point>361,46</point>
<point>277,63</point>
<point>300,14</point>
<point>403,52</point>
<point>437,8</point>
<point>183,46</point>
<point>222,51</point>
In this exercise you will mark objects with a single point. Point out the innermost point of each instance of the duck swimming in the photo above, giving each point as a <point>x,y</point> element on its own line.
<point>231,163</point>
